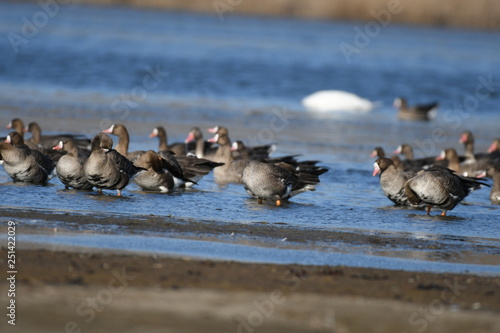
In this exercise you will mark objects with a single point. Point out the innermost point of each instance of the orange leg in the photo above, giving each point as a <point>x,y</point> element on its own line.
<point>119,193</point>
<point>99,191</point>
<point>278,202</point>
<point>428,210</point>
<point>443,213</point>
<point>259,201</point>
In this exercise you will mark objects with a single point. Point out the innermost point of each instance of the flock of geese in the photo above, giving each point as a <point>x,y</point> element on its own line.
<point>442,181</point>
<point>83,164</point>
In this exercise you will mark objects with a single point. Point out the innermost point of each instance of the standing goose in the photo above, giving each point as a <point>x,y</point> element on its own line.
<point>392,180</point>
<point>467,139</point>
<point>439,187</point>
<point>379,152</point>
<point>177,148</point>
<point>49,141</point>
<point>17,125</point>
<point>466,168</point>
<point>421,112</point>
<point>232,170</point>
<point>23,164</point>
<point>241,151</point>
<point>70,167</point>
<point>494,173</point>
<point>202,149</point>
<point>277,182</point>
<point>106,168</point>
<point>494,147</point>
<point>410,163</point>
<point>16,139</point>
<point>123,141</point>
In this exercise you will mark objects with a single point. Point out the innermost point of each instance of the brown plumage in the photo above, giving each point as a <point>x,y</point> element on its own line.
<point>123,141</point>
<point>70,166</point>
<point>392,180</point>
<point>17,125</point>
<point>202,149</point>
<point>49,141</point>
<point>232,170</point>
<point>423,112</point>
<point>27,165</point>
<point>16,139</point>
<point>159,174</point>
<point>106,168</point>
<point>439,187</point>
<point>177,148</point>
<point>278,181</point>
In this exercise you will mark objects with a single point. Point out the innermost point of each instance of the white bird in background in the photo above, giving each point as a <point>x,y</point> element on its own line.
<point>336,101</point>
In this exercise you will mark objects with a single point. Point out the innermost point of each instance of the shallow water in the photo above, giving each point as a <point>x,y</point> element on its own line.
<point>86,69</point>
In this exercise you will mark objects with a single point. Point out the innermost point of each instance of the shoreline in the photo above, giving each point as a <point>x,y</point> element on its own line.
<point>216,296</point>
<point>252,242</point>
<point>480,14</point>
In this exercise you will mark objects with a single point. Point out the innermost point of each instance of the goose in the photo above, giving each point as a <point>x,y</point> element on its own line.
<point>106,168</point>
<point>335,101</point>
<point>467,139</point>
<point>421,112</point>
<point>379,152</point>
<point>493,172</point>
<point>193,167</point>
<point>439,187</point>
<point>202,149</point>
<point>494,147</point>
<point>178,148</point>
<point>410,163</point>
<point>49,141</point>
<point>121,132</point>
<point>159,174</point>
<point>69,168</point>
<point>241,151</point>
<point>232,170</point>
<point>277,182</point>
<point>15,139</point>
<point>392,180</point>
<point>17,125</point>
<point>27,165</point>
<point>466,168</point>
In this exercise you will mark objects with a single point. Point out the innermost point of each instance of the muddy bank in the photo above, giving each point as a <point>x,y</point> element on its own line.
<point>165,294</point>
<point>461,250</point>
<point>484,14</point>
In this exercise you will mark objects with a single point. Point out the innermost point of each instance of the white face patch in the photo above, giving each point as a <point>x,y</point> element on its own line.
<point>215,138</point>
<point>376,169</point>
<point>8,139</point>
<point>155,131</point>
<point>442,155</point>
